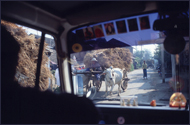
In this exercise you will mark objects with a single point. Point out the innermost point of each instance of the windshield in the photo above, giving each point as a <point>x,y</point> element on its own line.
<point>126,58</point>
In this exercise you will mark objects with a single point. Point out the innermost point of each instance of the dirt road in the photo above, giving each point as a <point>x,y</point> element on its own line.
<point>145,89</point>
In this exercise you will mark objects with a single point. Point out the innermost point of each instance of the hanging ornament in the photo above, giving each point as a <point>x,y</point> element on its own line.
<point>77,47</point>
<point>177,100</point>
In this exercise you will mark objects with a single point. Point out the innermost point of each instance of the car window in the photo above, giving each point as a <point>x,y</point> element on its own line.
<point>134,55</point>
<point>29,41</point>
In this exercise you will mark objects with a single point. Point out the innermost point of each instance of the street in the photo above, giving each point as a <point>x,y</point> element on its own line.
<point>145,89</point>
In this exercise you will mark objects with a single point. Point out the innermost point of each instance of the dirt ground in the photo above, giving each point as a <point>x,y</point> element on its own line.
<point>145,89</point>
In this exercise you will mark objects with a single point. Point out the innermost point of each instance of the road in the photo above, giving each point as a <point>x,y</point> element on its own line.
<point>145,89</point>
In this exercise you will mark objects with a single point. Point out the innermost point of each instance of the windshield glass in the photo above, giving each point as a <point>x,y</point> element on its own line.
<point>126,57</point>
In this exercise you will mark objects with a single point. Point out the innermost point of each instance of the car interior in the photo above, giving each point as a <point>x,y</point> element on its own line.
<point>72,25</point>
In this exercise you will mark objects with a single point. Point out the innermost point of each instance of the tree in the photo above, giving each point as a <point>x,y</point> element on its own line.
<point>138,62</point>
<point>141,56</point>
<point>157,53</point>
<point>138,54</point>
<point>147,55</point>
<point>132,67</point>
<point>138,58</point>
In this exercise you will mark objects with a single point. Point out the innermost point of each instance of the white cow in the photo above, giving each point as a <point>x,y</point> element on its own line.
<point>112,77</point>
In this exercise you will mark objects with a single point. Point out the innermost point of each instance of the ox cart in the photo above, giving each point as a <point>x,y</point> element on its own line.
<point>89,80</point>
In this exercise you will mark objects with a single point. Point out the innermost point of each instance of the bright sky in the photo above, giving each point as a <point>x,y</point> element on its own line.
<point>149,47</point>
<point>33,31</point>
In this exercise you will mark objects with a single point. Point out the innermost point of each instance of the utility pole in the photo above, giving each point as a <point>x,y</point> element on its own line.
<point>162,60</point>
<point>173,61</point>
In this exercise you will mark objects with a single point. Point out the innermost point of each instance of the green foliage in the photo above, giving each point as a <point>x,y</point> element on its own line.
<point>141,56</point>
<point>147,55</point>
<point>157,54</point>
<point>139,62</point>
<point>132,67</point>
<point>53,72</point>
<point>138,54</point>
<point>139,66</point>
<point>138,59</point>
<point>150,62</point>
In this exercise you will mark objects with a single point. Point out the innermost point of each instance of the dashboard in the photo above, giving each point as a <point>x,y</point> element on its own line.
<point>114,114</point>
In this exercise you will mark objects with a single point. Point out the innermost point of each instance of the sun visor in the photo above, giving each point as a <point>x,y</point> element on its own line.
<point>103,13</point>
<point>28,14</point>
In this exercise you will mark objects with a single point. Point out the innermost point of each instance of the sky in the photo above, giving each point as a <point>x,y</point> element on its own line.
<point>33,31</point>
<point>149,47</point>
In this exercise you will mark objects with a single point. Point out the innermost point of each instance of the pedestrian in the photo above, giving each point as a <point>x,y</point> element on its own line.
<point>57,77</point>
<point>144,70</point>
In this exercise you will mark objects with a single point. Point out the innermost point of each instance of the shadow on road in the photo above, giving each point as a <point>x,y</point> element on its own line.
<point>145,89</point>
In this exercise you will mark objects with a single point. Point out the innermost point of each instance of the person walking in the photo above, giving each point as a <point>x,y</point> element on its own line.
<point>57,77</point>
<point>144,66</point>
